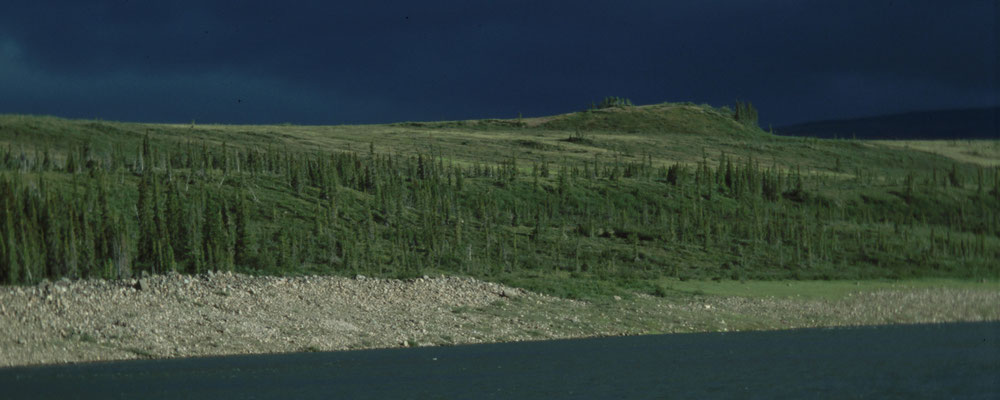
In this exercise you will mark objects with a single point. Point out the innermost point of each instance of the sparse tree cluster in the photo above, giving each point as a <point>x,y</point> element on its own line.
<point>745,113</point>
<point>612,102</point>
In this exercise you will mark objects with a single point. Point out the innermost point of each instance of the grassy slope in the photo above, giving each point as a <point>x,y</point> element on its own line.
<point>842,174</point>
<point>982,152</point>
<point>668,133</point>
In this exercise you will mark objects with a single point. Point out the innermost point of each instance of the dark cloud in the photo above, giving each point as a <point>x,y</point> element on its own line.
<point>322,62</point>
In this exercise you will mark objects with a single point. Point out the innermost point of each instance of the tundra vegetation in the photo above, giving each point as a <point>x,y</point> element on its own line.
<point>615,199</point>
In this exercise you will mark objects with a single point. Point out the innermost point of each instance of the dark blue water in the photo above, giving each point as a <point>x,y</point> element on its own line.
<point>905,362</point>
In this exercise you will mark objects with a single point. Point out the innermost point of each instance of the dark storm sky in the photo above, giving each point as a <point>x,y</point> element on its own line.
<point>331,62</point>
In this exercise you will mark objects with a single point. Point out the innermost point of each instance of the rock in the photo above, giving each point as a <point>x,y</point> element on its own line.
<point>45,286</point>
<point>142,284</point>
<point>617,298</point>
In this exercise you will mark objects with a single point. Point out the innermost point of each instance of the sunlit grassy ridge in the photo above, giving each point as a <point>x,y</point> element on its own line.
<point>580,204</point>
<point>978,151</point>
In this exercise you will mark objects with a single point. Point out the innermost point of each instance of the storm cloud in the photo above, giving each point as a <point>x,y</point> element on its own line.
<point>385,61</point>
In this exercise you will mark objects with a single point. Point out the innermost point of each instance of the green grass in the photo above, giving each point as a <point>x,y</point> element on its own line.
<point>579,205</point>
<point>829,290</point>
<point>668,133</point>
<point>983,152</point>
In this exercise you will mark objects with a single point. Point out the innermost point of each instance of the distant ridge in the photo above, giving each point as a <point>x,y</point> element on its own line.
<point>972,123</point>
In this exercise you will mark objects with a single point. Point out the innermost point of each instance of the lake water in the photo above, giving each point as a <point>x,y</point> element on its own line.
<point>916,361</point>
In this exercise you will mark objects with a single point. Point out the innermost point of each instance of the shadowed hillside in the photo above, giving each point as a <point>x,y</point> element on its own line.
<point>976,123</point>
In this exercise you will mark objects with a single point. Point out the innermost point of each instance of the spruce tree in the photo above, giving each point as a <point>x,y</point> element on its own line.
<point>954,178</point>
<point>217,237</point>
<point>176,223</point>
<point>53,242</point>
<point>9,267</point>
<point>146,252</point>
<point>88,262</point>
<point>244,239</point>
<point>164,259</point>
<point>194,238</point>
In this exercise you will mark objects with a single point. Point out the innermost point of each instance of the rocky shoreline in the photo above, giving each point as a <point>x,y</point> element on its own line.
<point>167,316</point>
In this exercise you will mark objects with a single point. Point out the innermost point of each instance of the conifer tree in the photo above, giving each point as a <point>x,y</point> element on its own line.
<point>71,166</point>
<point>244,240</point>
<point>194,238</point>
<point>954,178</point>
<point>46,160</point>
<point>120,249</point>
<point>89,264</point>
<point>53,242</point>
<point>10,268</point>
<point>148,232</point>
<point>421,167</point>
<point>176,222</point>
<point>164,260</point>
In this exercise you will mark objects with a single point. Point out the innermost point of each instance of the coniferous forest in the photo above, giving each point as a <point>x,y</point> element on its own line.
<point>573,206</point>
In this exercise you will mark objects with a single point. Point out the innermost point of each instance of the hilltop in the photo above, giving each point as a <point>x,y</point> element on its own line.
<point>601,202</point>
<point>667,118</point>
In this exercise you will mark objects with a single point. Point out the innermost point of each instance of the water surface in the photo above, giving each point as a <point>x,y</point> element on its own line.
<point>914,361</point>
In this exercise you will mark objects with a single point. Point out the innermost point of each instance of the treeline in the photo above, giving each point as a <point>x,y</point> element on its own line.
<point>198,206</point>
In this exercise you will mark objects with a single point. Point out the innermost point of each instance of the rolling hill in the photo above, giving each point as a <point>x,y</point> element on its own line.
<point>584,204</point>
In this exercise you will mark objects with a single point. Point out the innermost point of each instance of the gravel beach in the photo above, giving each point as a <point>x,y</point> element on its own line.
<point>167,316</point>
